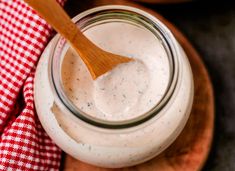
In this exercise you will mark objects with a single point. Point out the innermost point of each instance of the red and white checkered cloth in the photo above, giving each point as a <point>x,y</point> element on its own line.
<point>24,145</point>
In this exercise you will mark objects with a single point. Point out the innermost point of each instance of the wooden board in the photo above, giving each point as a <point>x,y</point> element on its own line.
<point>189,152</point>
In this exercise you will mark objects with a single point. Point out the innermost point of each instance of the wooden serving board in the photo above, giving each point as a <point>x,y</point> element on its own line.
<point>189,152</point>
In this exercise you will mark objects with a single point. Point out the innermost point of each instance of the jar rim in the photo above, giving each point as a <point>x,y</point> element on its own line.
<point>153,23</point>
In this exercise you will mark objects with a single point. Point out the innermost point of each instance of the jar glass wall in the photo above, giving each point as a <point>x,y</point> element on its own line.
<point>114,143</point>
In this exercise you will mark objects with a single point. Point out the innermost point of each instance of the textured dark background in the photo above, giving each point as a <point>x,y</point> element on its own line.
<point>211,29</point>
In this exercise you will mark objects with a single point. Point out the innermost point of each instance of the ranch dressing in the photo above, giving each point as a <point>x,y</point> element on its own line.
<point>128,92</point>
<point>130,89</point>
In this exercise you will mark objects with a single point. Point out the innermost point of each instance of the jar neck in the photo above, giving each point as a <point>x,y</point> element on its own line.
<point>123,14</point>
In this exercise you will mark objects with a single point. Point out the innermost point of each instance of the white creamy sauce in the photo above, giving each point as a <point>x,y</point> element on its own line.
<point>130,89</point>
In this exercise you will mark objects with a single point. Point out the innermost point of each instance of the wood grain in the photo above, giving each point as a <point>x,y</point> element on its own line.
<point>189,152</point>
<point>97,60</point>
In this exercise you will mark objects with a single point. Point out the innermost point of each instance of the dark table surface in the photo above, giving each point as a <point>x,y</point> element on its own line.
<point>211,29</point>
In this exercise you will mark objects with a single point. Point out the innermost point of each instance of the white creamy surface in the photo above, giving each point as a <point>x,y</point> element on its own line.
<point>130,89</point>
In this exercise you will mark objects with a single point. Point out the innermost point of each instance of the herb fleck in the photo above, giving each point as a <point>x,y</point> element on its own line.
<point>89,104</point>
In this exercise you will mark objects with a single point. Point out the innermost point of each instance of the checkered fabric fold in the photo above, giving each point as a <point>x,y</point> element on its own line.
<point>24,145</point>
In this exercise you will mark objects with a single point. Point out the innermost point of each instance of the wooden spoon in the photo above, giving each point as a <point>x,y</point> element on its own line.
<point>97,60</point>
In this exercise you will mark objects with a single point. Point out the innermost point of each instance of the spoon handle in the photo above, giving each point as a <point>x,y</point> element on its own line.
<point>55,15</point>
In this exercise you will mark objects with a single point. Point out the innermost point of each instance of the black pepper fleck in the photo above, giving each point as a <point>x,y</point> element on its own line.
<point>89,104</point>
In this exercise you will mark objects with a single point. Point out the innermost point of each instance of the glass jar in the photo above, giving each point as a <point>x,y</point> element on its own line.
<point>118,143</point>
